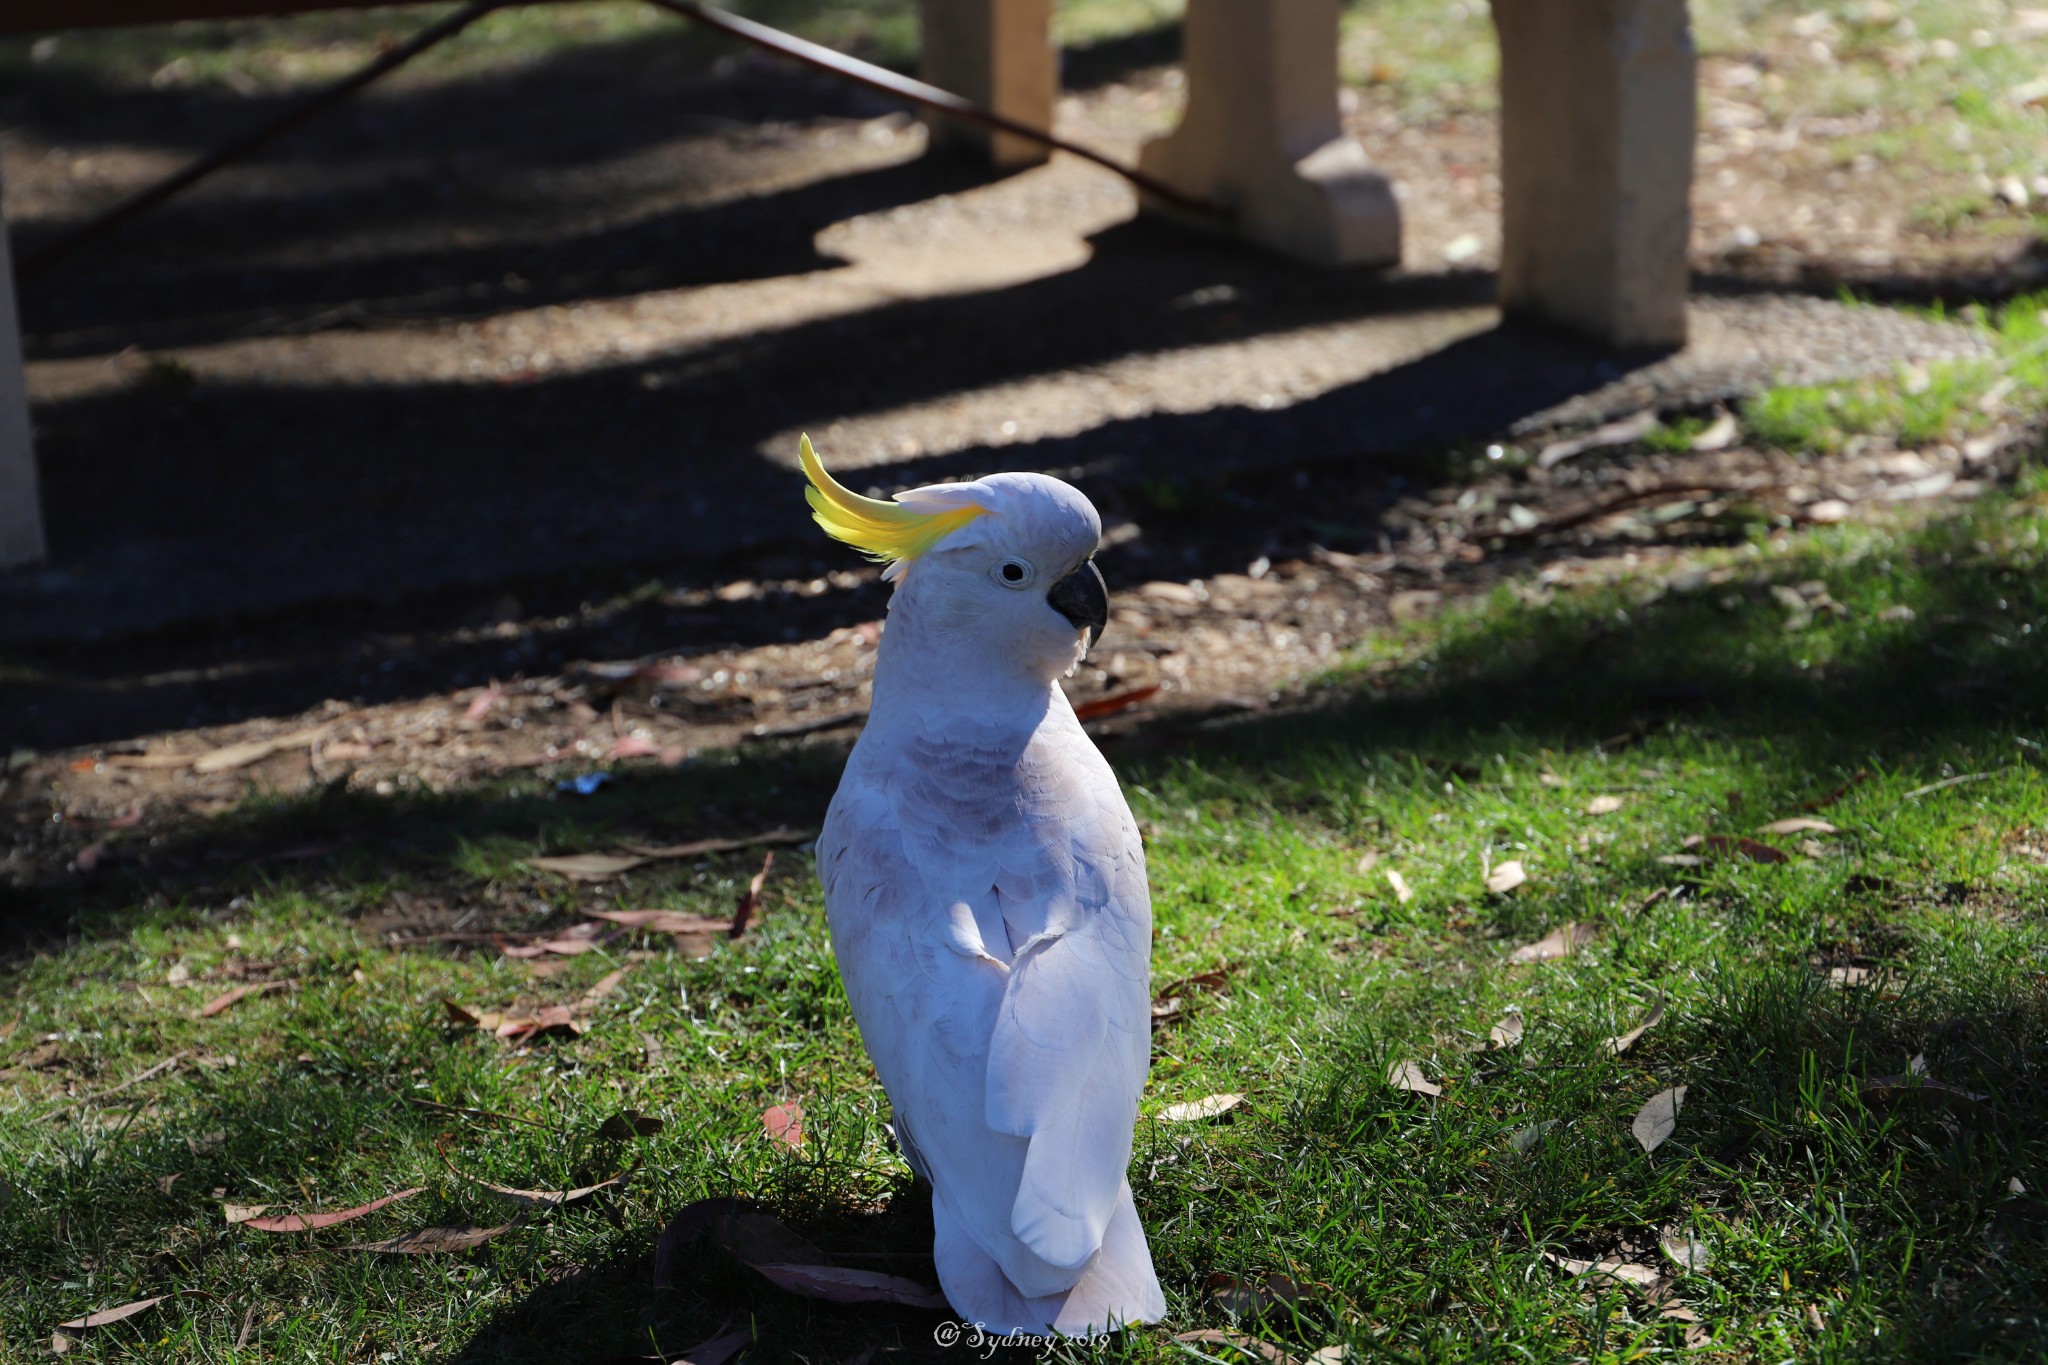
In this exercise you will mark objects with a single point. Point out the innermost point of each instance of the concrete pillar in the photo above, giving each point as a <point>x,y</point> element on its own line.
<point>1597,112</point>
<point>999,54</point>
<point>21,507</point>
<point>1262,137</point>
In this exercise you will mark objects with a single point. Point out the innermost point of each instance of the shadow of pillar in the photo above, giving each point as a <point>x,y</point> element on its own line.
<point>21,508</point>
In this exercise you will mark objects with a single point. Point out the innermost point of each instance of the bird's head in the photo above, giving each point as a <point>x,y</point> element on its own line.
<point>1003,562</point>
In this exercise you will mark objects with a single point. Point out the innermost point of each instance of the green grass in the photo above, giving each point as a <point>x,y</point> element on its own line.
<point>1921,405</point>
<point>1853,667</point>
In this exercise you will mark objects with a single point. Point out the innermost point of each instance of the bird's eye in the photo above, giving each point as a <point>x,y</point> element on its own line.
<point>1012,573</point>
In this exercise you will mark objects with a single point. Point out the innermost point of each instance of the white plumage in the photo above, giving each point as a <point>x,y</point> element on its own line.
<point>986,889</point>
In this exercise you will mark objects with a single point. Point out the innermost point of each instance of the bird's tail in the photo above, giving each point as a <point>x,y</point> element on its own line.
<point>1117,1289</point>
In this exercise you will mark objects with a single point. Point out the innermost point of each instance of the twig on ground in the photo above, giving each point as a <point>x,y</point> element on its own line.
<point>1945,783</point>
<point>165,1065</point>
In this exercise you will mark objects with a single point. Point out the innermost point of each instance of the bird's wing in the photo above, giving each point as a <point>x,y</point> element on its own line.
<point>1072,1040</point>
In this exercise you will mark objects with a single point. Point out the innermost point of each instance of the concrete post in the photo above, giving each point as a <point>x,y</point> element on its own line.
<point>1262,136</point>
<point>999,54</point>
<point>1597,113</point>
<point>21,507</point>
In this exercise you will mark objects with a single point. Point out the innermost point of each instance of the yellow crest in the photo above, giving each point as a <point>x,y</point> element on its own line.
<point>885,531</point>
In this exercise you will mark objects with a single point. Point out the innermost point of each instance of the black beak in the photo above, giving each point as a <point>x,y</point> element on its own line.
<point>1082,599</point>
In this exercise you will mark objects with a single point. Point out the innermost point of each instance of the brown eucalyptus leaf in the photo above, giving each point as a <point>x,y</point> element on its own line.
<point>698,848</point>
<point>784,1124</point>
<point>606,984</point>
<point>750,899</point>
<point>435,1240</point>
<point>239,993</point>
<point>665,921</point>
<point>306,1222</point>
<point>1604,805</point>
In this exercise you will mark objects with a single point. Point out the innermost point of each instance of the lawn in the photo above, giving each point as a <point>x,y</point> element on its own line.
<point>1854,1007</point>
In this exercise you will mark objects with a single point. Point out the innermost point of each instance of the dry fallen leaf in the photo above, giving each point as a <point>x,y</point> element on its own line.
<point>431,1241</point>
<point>252,750</point>
<point>1687,1250</point>
<point>1507,1032</point>
<point>1843,978</point>
<point>1408,1076</point>
<point>1400,885</point>
<point>1560,942</point>
<point>1525,1140</point>
<point>750,899</point>
<point>242,1213</point>
<point>1604,805</point>
<point>104,1316</point>
<point>606,984</point>
<point>1195,1111</point>
<point>516,1027</point>
<point>306,1222</point>
<point>781,834</point>
<point>576,941</point>
<point>588,867</point>
<point>1728,846</point>
<point>1719,434</point>
<point>239,993</point>
<point>784,1123</point>
<point>1799,824</point>
<point>1609,1268</point>
<point>1621,1043</point>
<point>541,1201</point>
<point>1506,877</point>
<point>1658,1118</point>
<point>1252,1297</point>
<point>666,921</point>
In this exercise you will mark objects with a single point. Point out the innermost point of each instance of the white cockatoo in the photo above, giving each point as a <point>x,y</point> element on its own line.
<point>986,890</point>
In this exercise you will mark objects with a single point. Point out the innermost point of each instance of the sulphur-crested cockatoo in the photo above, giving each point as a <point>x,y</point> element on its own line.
<point>986,890</point>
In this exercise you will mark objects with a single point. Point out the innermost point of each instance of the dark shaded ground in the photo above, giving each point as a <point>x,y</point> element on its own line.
<point>247,517</point>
